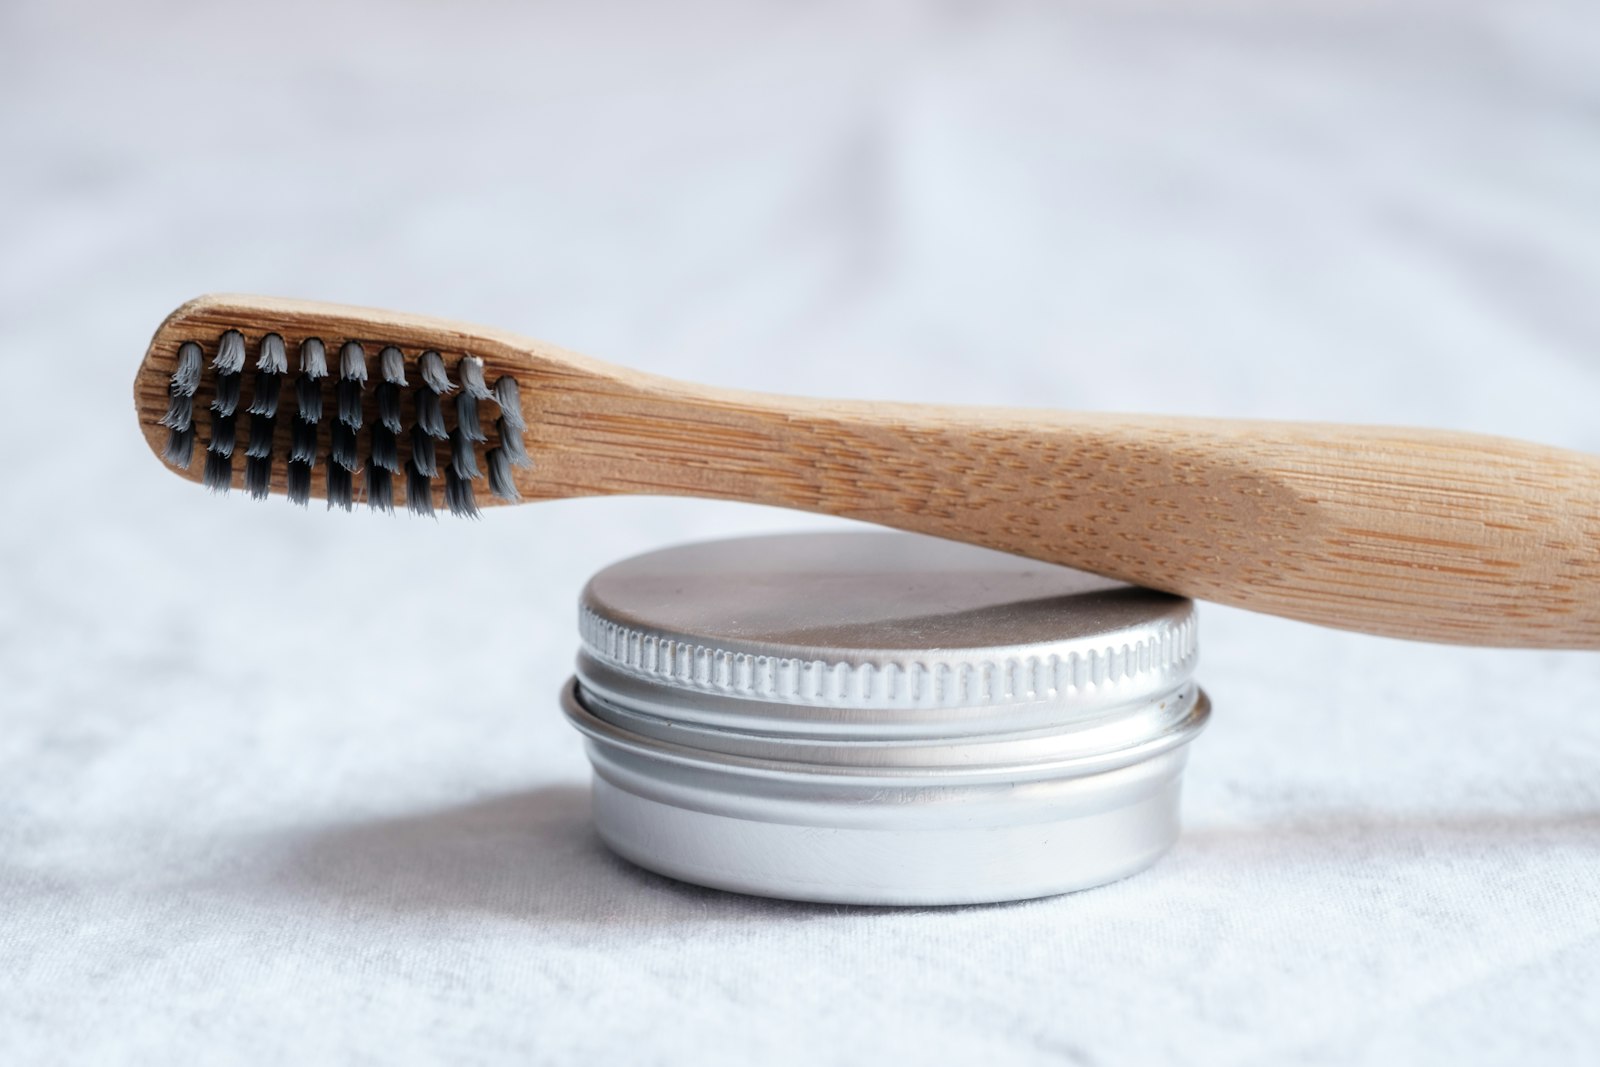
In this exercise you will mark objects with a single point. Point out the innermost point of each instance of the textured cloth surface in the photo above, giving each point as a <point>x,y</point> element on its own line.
<point>279,786</point>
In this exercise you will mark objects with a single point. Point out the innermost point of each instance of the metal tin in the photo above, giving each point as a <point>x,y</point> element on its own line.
<point>882,718</point>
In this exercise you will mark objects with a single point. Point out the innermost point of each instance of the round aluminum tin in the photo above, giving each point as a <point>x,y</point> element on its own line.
<point>882,718</point>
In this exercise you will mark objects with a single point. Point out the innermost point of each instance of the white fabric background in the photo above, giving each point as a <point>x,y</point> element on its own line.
<point>288,787</point>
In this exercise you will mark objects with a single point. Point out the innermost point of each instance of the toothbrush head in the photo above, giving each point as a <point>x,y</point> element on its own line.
<point>315,400</point>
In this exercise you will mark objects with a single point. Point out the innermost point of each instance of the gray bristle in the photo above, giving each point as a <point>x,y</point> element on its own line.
<point>258,476</point>
<point>180,447</point>
<point>385,449</point>
<point>350,403</point>
<point>303,447</point>
<point>471,372</point>
<point>299,482</point>
<point>389,405</point>
<point>393,363</point>
<point>458,495</point>
<point>341,488</point>
<point>265,399</point>
<point>419,490</point>
<point>500,482</point>
<point>227,398</point>
<point>343,449</point>
<point>431,366</point>
<point>352,362</point>
<point>274,358</point>
<point>260,437</point>
<point>467,418</point>
<point>423,453</point>
<point>380,489</point>
<point>224,431</point>
<point>219,472</point>
<point>430,414</point>
<point>230,353</point>
<point>511,441</point>
<point>509,397</point>
<point>313,358</point>
<point>186,378</point>
<point>308,398</point>
<point>463,458</point>
<point>180,411</point>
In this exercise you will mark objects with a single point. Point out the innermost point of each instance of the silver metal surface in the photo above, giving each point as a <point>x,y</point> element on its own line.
<point>882,718</point>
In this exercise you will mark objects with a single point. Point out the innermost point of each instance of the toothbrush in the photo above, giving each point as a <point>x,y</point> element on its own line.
<point>1421,534</point>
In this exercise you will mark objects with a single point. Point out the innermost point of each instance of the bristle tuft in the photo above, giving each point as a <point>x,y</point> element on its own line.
<point>224,432</point>
<point>463,459</point>
<point>265,399</point>
<point>260,437</point>
<point>258,476</point>
<point>389,405</point>
<point>274,358</point>
<point>180,411</point>
<point>299,482</point>
<point>180,447</point>
<point>509,397</point>
<point>227,398</point>
<point>500,481</point>
<point>419,490</point>
<point>458,495</point>
<point>230,353</point>
<point>186,377</point>
<point>341,488</point>
<point>380,489</point>
<point>343,450</point>
<point>308,398</point>
<point>393,364</point>
<point>423,453</point>
<point>352,362</point>
<point>303,447</point>
<point>350,403</point>
<point>385,449</point>
<point>313,358</point>
<point>219,472</point>
<point>511,441</point>
<point>467,418</point>
<point>471,373</point>
<point>430,414</point>
<point>431,367</point>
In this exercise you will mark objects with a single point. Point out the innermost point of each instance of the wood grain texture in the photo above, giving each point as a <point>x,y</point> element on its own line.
<point>1419,534</point>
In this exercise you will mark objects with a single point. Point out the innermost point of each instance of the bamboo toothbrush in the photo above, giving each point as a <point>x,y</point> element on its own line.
<point>1421,534</point>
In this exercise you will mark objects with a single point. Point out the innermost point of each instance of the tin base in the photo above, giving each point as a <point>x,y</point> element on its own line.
<point>851,865</point>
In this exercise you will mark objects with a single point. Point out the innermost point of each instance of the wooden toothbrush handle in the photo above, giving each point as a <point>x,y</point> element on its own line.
<point>1422,534</point>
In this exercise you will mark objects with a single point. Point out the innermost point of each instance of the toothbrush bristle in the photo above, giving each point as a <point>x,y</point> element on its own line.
<point>467,418</point>
<point>258,476</point>
<point>430,415</point>
<point>274,358</point>
<point>380,489</point>
<point>308,398</point>
<point>303,444</point>
<point>350,402</point>
<point>458,495</point>
<point>298,482</point>
<point>219,471</point>
<point>390,436</point>
<point>343,451</point>
<point>431,366</point>
<point>393,364</point>
<point>230,353</point>
<point>180,447</point>
<point>341,487</point>
<point>313,358</point>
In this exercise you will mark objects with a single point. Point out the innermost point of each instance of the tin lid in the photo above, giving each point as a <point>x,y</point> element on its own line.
<point>852,631</point>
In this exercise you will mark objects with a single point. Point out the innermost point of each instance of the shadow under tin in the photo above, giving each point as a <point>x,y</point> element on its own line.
<point>882,718</point>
